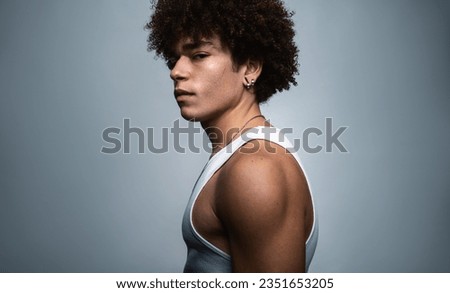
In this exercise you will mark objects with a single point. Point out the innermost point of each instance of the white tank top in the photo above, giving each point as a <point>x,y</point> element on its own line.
<point>204,257</point>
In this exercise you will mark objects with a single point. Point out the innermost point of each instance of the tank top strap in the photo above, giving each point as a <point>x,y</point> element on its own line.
<point>260,132</point>
<point>272,134</point>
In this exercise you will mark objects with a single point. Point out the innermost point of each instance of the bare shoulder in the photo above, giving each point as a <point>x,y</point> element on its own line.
<point>261,200</point>
<point>262,173</point>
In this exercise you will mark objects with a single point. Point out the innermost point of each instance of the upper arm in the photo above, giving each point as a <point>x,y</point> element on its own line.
<point>263,215</point>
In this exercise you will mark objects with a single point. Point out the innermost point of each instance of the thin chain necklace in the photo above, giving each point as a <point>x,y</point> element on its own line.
<point>240,129</point>
<point>254,117</point>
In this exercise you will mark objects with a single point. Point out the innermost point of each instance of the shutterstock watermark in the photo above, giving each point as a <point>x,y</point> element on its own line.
<point>190,138</point>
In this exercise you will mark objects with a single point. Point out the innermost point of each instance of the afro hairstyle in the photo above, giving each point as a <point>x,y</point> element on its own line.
<point>260,30</point>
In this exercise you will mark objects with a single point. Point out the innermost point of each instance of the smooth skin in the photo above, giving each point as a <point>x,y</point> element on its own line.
<point>257,207</point>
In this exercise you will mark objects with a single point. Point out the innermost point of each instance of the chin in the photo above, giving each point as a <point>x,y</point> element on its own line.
<point>188,118</point>
<point>198,115</point>
<point>187,115</point>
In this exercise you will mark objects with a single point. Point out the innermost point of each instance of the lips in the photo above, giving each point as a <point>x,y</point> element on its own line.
<point>180,92</point>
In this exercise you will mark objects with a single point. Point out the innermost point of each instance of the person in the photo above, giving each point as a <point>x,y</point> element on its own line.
<point>251,209</point>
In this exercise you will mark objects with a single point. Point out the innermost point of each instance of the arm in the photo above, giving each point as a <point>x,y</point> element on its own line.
<point>261,205</point>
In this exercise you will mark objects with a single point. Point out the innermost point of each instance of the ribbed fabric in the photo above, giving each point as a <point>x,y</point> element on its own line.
<point>202,256</point>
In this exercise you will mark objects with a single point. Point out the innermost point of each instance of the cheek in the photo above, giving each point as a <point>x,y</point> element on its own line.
<point>222,80</point>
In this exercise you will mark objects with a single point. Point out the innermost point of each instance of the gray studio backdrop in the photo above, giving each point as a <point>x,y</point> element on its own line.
<point>70,69</point>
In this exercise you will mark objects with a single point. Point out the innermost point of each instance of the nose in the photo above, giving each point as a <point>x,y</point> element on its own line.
<point>180,70</point>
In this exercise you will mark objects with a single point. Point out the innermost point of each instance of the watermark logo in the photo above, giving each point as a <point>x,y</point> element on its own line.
<point>190,138</point>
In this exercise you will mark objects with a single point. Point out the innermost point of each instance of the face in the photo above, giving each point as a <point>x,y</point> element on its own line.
<point>207,85</point>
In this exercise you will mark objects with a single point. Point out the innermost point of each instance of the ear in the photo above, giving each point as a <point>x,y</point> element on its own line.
<point>253,70</point>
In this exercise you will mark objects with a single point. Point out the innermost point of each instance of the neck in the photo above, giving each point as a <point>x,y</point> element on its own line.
<point>222,130</point>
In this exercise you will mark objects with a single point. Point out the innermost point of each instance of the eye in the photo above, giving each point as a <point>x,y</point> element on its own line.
<point>198,56</point>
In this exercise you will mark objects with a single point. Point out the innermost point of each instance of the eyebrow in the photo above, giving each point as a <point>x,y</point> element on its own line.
<point>195,45</point>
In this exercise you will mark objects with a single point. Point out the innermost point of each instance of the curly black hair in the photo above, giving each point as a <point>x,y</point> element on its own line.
<point>259,30</point>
